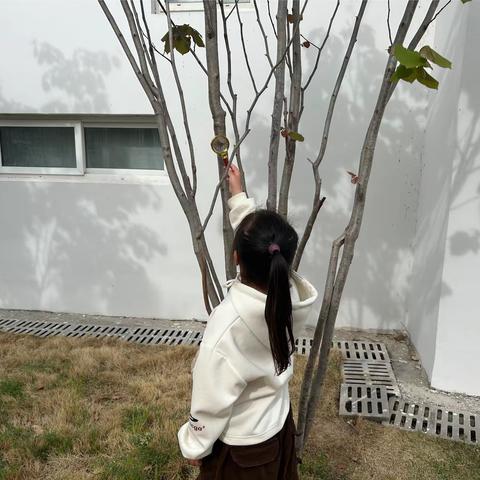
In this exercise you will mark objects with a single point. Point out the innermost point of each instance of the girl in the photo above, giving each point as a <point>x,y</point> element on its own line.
<point>241,423</point>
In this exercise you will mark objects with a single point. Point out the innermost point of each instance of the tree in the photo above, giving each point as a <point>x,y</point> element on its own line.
<point>402,64</point>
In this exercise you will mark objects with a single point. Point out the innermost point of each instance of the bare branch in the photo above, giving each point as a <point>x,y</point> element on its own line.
<point>418,36</point>
<point>244,48</point>
<point>181,96</point>
<point>388,23</point>
<point>439,12</point>
<point>317,203</point>
<point>319,53</point>
<point>264,35</point>
<point>293,112</point>
<point>277,106</point>
<point>270,17</point>
<point>233,111</point>
<point>424,25</point>
<point>137,41</point>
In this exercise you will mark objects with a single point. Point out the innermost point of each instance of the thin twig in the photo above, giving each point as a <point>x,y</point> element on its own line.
<point>244,48</point>
<point>271,19</point>
<point>181,96</point>
<point>233,112</point>
<point>439,12</point>
<point>388,23</point>
<point>264,35</point>
<point>321,47</point>
<point>288,60</point>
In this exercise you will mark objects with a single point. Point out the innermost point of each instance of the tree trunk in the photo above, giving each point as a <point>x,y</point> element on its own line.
<point>218,115</point>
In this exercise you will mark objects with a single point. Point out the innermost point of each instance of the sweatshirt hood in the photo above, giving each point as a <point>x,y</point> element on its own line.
<point>250,305</point>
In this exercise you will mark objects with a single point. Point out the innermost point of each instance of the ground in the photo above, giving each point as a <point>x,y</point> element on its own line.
<point>104,409</point>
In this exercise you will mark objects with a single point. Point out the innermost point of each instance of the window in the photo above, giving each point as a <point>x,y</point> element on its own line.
<point>40,147</point>
<point>123,148</point>
<point>81,146</point>
<point>192,5</point>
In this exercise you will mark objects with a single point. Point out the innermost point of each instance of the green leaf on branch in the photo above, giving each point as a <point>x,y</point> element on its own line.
<point>182,36</point>
<point>466,1</point>
<point>408,58</point>
<point>430,54</point>
<point>404,73</point>
<point>426,79</point>
<point>296,136</point>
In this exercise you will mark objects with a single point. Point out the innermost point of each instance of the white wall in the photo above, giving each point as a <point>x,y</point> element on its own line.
<point>458,328</point>
<point>443,310</point>
<point>122,248</point>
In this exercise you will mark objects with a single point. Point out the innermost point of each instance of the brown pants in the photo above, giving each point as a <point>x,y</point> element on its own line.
<point>273,459</point>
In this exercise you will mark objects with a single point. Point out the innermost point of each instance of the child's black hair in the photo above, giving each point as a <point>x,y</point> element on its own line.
<point>265,245</point>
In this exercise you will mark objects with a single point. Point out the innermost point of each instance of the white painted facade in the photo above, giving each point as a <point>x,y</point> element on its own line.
<point>119,245</point>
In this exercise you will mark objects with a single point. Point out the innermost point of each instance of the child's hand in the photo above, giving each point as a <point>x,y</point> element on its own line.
<point>234,180</point>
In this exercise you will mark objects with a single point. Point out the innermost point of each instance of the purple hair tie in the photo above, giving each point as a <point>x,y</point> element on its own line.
<point>272,248</point>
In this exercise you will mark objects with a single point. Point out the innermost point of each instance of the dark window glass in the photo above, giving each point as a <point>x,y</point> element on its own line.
<point>132,148</point>
<point>38,147</point>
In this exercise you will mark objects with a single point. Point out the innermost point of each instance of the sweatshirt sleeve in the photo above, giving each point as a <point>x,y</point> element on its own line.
<point>216,386</point>
<point>240,206</point>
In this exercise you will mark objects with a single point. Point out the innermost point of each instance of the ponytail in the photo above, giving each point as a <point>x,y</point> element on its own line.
<point>278,312</point>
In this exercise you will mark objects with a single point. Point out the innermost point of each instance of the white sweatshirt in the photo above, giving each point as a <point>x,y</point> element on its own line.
<point>236,394</point>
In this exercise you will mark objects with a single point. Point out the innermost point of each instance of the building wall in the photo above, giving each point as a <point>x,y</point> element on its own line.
<point>429,247</point>
<point>458,328</point>
<point>120,246</point>
<point>442,311</point>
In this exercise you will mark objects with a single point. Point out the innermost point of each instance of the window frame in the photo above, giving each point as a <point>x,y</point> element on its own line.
<point>79,148</point>
<point>197,6</point>
<point>79,123</point>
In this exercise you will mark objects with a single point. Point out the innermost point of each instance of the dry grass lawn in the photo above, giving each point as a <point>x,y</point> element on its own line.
<point>96,409</point>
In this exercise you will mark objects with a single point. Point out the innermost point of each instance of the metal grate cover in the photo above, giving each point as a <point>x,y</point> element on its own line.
<point>365,401</point>
<point>370,373</point>
<point>434,420</point>
<point>142,335</point>
<point>365,351</point>
<point>303,345</point>
<point>145,336</point>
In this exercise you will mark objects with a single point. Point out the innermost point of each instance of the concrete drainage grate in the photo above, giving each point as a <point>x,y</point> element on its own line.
<point>142,335</point>
<point>370,373</point>
<point>434,420</point>
<point>145,336</point>
<point>303,345</point>
<point>365,351</point>
<point>364,400</point>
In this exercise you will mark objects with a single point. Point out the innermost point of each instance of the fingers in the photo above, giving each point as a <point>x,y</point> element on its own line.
<point>195,463</point>
<point>234,170</point>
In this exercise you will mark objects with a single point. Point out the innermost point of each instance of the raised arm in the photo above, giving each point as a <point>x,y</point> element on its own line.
<point>240,205</point>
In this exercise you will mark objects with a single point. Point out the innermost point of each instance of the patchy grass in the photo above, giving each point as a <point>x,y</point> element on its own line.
<point>81,409</point>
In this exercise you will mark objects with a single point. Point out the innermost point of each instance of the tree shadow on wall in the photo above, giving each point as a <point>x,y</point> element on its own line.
<point>71,245</point>
<point>79,78</point>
